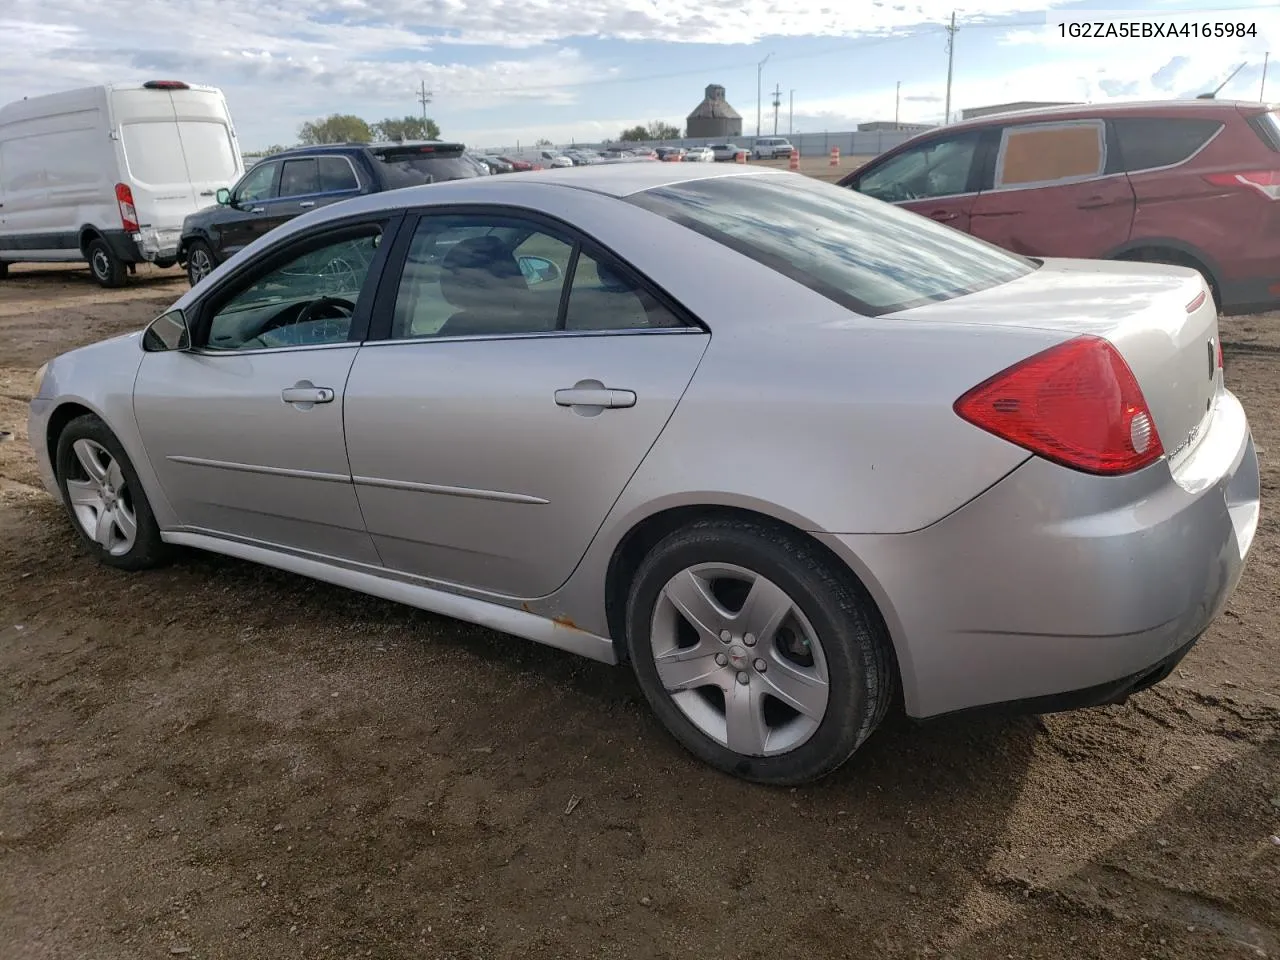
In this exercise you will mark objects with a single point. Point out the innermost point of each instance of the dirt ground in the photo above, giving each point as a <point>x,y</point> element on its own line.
<point>219,761</point>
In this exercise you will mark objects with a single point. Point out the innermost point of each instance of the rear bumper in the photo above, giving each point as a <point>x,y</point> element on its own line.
<point>1058,587</point>
<point>1258,293</point>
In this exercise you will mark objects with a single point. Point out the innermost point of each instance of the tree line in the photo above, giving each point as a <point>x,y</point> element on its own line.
<point>656,130</point>
<point>348,128</point>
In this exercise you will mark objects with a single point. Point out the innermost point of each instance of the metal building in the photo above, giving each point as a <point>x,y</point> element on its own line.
<point>714,118</point>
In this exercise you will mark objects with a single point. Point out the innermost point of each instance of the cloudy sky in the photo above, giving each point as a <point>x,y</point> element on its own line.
<point>503,71</point>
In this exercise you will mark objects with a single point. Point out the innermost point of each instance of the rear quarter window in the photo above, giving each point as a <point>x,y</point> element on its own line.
<point>1146,143</point>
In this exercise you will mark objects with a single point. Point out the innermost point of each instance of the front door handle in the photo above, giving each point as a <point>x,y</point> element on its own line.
<point>307,203</point>
<point>305,393</point>
<point>943,216</point>
<point>258,210</point>
<point>1091,203</point>
<point>593,393</point>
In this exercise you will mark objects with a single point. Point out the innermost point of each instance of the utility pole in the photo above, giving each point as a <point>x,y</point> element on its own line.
<point>951,58</point>
<point>791,114</point>
<point>424,97</point>
<point>777,102</point>
<point>759,96</point>
<point>1262,93</point>
<point>897,99</point>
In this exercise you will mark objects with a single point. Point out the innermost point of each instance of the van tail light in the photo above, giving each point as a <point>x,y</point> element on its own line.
<point>128,213</point>
<point>1076,404</point>
<point>1266,182</point>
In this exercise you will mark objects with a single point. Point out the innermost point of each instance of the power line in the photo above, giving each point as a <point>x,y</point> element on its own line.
<point>424,97</point>
<point>951,59</point>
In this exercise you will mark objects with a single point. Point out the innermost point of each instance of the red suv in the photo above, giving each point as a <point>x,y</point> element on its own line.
<point>1191,182</point>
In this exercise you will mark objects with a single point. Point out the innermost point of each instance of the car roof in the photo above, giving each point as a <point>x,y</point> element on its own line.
<point>354,145</point>
<point>1171,108</point>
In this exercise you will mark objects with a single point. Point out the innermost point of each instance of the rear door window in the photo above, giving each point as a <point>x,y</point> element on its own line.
<point>153,152</point>
<point>337,175</point>
<point>299,178</point>
<point>1146,143</point>
<point>210,155</point>
<point>1047,154</point>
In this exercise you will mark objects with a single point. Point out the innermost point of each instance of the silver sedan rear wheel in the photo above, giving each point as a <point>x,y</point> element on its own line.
<point>757,649</point>
<point>739,659</point>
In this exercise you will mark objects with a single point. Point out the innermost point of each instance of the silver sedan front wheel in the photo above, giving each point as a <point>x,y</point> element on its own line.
<point>105,498</point>
<point>758,651</point>
<point>739,659</point>
<point>101,500</point>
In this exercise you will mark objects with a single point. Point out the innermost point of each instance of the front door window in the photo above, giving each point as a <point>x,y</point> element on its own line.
<point>308,300</point>
<point>939,168</point>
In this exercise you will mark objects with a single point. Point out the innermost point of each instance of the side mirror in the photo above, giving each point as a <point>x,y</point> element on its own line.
<point>538,270</point>
<point>167,332</point>
<point>224,196</point>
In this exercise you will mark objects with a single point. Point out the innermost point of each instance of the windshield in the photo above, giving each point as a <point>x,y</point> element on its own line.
<point>865,255</point>
<point>411,167</point>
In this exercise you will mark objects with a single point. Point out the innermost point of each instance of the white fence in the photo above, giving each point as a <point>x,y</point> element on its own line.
<point>852,143</point>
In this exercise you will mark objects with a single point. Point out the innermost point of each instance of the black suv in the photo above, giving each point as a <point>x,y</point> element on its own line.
<point>289,183</point>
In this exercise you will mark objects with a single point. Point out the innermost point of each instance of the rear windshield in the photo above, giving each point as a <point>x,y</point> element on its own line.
<point>172,152</point>
<point>412,167</point>
<point>869,256</point>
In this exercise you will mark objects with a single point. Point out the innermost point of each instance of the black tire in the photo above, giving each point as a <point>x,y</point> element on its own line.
<point>860,664</point>
<point>107,269</point>
<point>148,549</point>
<point>4,270</point>
<point>199,252</point>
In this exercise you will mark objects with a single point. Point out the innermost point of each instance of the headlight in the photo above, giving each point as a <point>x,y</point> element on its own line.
<point>38,381</point>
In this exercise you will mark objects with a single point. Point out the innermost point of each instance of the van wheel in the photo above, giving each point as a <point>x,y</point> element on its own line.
<point>106,267</point>
<point>4,269</point>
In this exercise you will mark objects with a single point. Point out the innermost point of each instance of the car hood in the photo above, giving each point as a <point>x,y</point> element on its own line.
<point>203,218</point>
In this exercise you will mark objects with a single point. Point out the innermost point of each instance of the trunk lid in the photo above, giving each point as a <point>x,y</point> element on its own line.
<point>1162,320</point>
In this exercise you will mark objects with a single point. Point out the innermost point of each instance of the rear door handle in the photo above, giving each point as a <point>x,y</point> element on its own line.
<point>943,215</point>
<point>307,203</point>
<point>306,393</point>
<point>595,396</point>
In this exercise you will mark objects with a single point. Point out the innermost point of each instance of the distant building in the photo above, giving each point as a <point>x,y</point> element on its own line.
<point>974,112</point>
<point>888,126</point>
<point>714,118</point>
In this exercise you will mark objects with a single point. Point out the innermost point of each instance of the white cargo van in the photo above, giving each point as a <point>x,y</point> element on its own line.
<point>108,173</point>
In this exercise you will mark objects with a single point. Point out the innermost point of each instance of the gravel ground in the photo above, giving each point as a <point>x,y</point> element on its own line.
<point>219,761</point>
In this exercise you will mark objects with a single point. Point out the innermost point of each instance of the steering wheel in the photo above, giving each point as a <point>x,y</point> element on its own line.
<point>343,307</point>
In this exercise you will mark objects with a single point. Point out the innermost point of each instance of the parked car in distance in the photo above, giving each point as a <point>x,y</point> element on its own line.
<point>699,155</point>
<point>291,182</point>
<point>1191,182</point>
<point>518,164</point>
<point>495,164</point>
<point>565,406</point>
<point>725,152</point>
<point>107,174</point>
<point>670,154</point>
<point>770,148</point>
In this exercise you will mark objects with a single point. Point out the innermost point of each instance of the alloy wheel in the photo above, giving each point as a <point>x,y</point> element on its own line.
<point>739,659</point>
<point>101,500</point>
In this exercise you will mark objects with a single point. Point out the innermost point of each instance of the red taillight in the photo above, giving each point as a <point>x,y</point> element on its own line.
<point>1220,363</point>
<point>1077,404</point>
<point>128,213</point>
<point>1266,182</point>
<point>166,85</point>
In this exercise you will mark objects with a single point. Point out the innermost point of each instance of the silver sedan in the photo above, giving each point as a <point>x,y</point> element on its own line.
<point>792,453</point>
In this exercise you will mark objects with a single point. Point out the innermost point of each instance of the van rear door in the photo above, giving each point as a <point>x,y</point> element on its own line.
<point>178,150</point>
